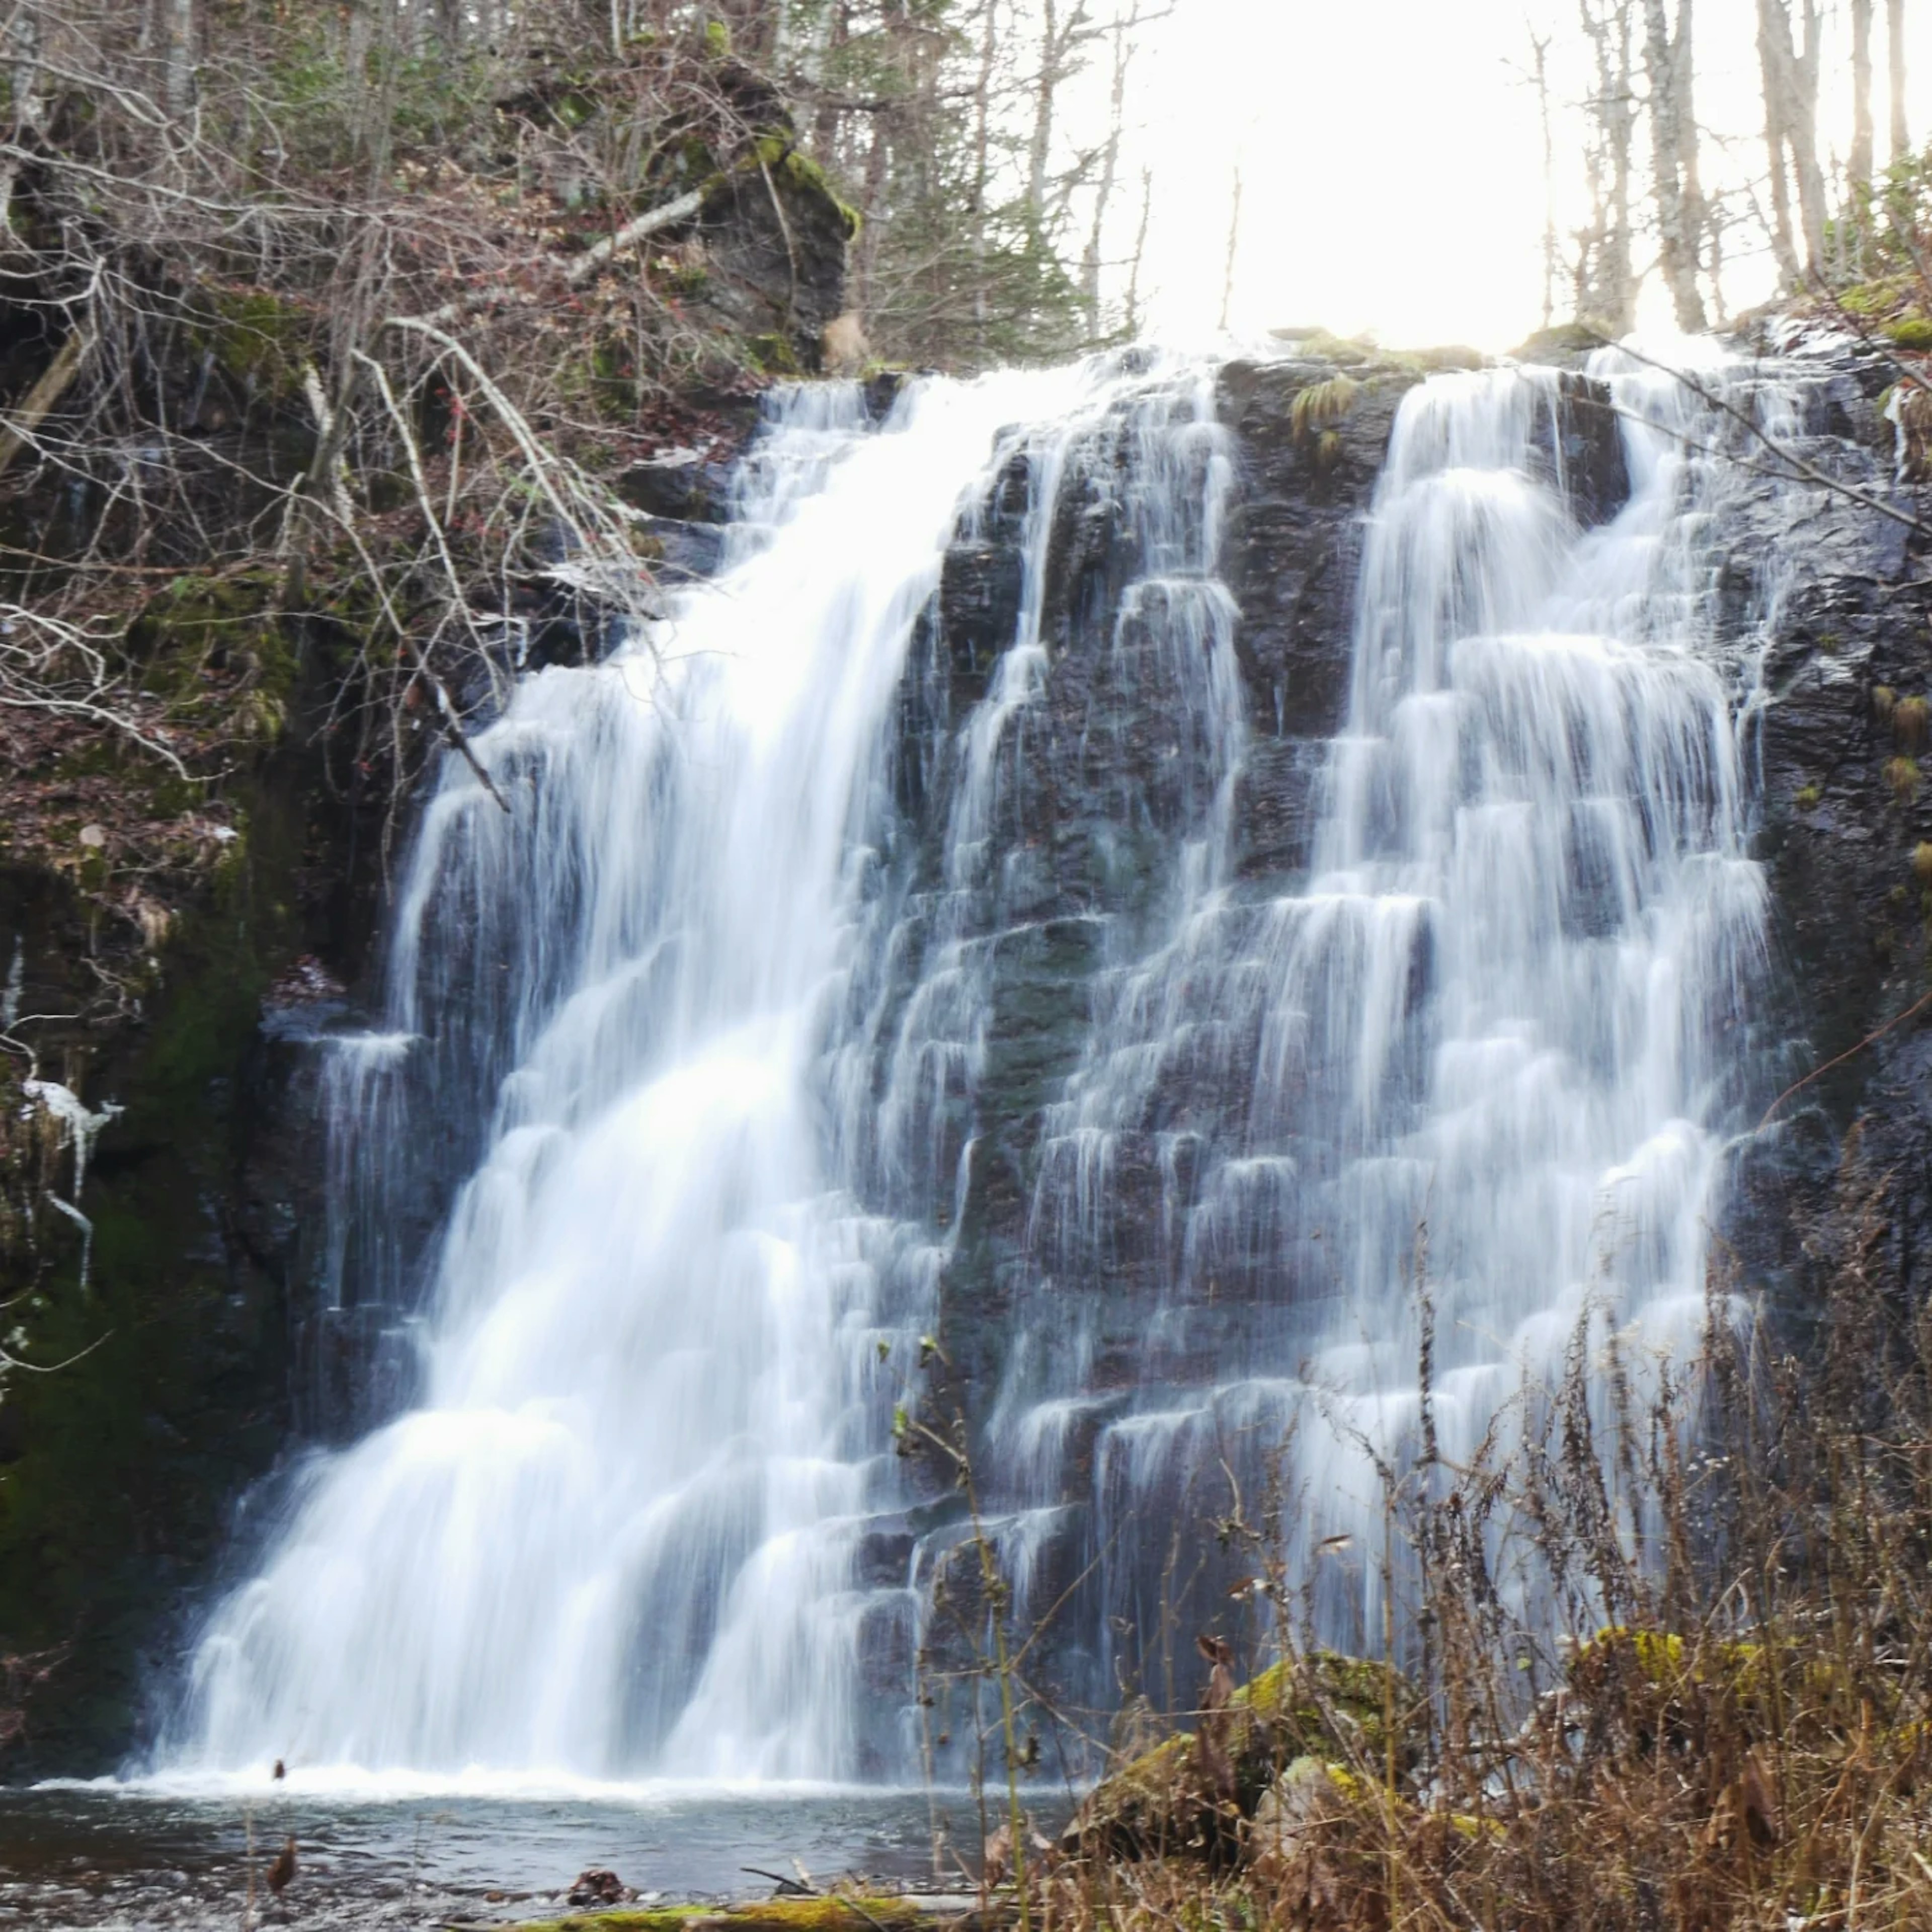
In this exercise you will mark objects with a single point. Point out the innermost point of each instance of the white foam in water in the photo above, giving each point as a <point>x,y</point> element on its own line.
<point>617,1538</point>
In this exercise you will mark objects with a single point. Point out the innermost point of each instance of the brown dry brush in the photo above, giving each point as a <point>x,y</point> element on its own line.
<point>322,352</point>
<point>333,366</point>
<point>1731,1726</point>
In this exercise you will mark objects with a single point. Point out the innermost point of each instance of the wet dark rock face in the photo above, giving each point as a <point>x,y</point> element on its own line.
<point>1293,549</point>
<point>1106,772</point>
<point>1845,817</point>
<point>775,238</point>
<point>118,1474</point>
<point>1823,623</point>
<point>1105,778</point>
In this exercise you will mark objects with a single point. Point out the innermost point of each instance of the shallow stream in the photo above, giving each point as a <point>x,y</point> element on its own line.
<point>131,1857</point>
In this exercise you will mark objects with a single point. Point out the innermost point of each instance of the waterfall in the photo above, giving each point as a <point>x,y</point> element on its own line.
<point>1491,1048</point>
<point>708,1021</point>
<point>663,1338</point>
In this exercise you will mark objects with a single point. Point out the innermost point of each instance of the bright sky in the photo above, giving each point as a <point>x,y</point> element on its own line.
<point>1391,157</point>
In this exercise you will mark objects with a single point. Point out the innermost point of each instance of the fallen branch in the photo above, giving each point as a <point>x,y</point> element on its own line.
<point>451,723</point>
<point>1850,1052</point>
<point>1798,466</point>
<point>55,382</point>
<point>575,271</point>
<point>671,212</point>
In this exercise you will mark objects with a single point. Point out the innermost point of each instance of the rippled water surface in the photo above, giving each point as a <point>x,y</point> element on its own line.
<point>131,1857</point>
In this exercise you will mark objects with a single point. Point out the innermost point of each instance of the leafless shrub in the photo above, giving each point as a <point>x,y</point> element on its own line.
<point>1714,1709</point>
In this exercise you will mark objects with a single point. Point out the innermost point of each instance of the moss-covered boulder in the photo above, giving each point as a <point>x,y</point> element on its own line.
<point>1190,1795</point>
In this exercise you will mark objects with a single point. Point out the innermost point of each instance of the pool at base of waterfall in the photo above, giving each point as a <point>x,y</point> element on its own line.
<point>144,1855</point>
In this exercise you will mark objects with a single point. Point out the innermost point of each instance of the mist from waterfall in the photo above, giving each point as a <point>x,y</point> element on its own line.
<point>708,1027</point>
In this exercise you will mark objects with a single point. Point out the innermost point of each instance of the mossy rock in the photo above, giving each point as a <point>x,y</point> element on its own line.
<point>230,623</point>
<point>1912,332</point>
<point>1324,1706</point>
<point>1665,1687</point>
<point>1657,1667</point>
<point>259,340</point>
<point>1563,344</point>
<point>777,152</point>
<point>1885,295</point>
<point>1322,345</point>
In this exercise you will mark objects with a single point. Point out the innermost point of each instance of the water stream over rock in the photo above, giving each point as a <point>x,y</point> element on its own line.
<point>792,900</point>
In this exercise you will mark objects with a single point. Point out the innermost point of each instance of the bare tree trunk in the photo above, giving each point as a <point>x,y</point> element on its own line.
<point>1622,280</point>
<point>1697,211</point>
<point>1783,248</point>
<point>1668,61</point>
<point>1133,318</point>
<point>23,65</point>
<point>1040,149</point>
<point>878,159</point>
<point>983,123</point>
<point>1859,163</point>
<point>1791,124</point>
<point>450,20</point>
<point>827,122</point>
<point>1802,124</point>
<point>356,63</point>
<point>1233,250</point>
<point>1552,254</point>
<point>178,47</point>
<point>1103,192</point>
<point>1605,281</point>
<point>1717,221</point>
<point>1894,24</point>
<point>380,125</point>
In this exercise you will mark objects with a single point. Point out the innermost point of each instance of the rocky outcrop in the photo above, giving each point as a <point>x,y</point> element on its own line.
<point>770,260</point>
<point>1822,624</point>
<point>1846,817</point>
<point>1294,547</point>
<point>169,1307</point>
<point>1191,1796</point>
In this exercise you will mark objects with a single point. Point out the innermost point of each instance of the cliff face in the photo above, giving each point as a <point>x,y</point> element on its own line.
<point>164,1322</point>
<point>1827,588</point>
<point>1845,816</point>
<point>1101,797</point>
<point>1822,626</point>
<point>118,1476</point>
<point>1097,800</point>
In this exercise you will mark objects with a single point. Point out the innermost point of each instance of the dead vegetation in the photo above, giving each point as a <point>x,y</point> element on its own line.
<point>322,393</point>
<point>1661,1661</point>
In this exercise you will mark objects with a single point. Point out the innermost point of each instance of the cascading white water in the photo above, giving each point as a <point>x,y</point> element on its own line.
<point>1502,1009</point>
<point>615,1532</point>
<point>714,1036</point>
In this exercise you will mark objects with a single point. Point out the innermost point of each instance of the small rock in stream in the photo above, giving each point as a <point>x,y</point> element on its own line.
<point>597,1887</point>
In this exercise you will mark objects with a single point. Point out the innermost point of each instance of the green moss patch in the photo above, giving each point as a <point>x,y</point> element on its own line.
<point>1912,332</point>
<point>216,649</point>
<point>778,154</point>
<point>1324,1706</point>
<point>260,339</point>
